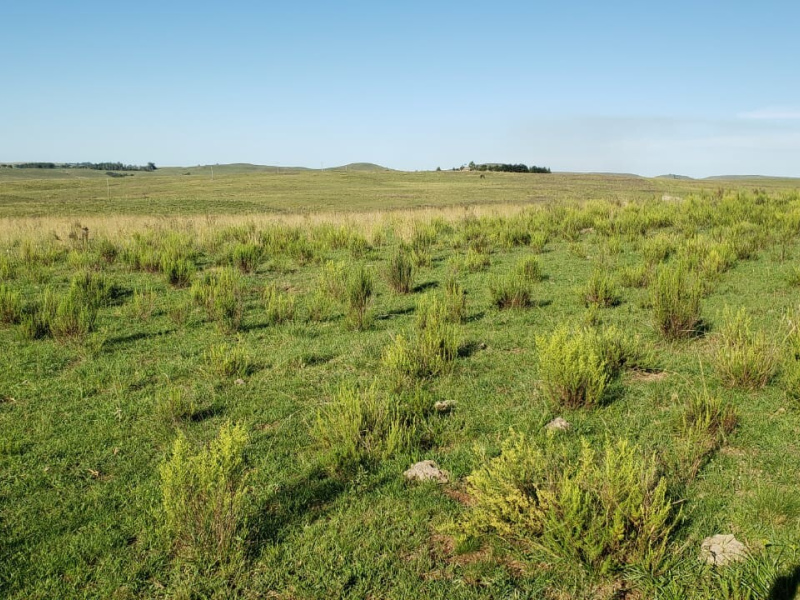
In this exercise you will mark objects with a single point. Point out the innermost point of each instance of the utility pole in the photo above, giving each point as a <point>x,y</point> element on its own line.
<point>212,172</point>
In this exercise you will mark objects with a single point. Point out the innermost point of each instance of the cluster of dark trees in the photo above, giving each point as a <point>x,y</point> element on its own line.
<point>520,168</point>
<point>103,166</point>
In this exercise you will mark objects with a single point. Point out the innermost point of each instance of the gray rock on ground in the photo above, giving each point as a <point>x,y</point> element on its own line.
<point>426,470</point>
<point>722,549</point>
<point>444,406</point>
<point>558,424</point>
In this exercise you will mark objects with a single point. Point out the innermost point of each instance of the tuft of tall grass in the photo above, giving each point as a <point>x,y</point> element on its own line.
<point>705,422</point>
<point>221,294</point>
<point>358,293</point>
<point>510,291</point>
<point>400,272</point>
<point>279,305</point>
<point>743,358</point>
<point>675,298</point>
<point>600,290</point>
<point>228,360</point>
<point>10,305</point>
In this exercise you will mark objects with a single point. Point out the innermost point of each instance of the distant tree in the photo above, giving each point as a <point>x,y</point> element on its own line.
<point>150,167</point>
<point>438,169</point>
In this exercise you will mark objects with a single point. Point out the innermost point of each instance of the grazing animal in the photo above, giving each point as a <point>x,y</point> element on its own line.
<point>483,176</point>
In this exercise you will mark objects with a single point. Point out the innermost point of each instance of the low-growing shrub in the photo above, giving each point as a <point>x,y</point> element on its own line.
<point>246,256</point>
<point>143,303</point>
<point>92,288</point>
<point>74,317</point>
<point>334,280</point>
<point>510,291</point>
<point>743,358</point>
<point>228,360</point>
<point>360,426</point>
<point>106,250</point>
<point>634,276</point>
<point>178,271</point>
<point>704,424</point>
<point>620,350</point>
<point>279,305</point>
<point>319,306</point>
<point>475,260</point>
<point>539,240</point>
<point>600,290</point>
<point>174,404</point>
<point>8,267</point>
<point>10,305</point>
<point>359,290</point>
<point>675,298</point>
<point>432,347</point>
<point>400,272</point>
<point>205,499</point>
<point>571,367</point>
<point>530,269</point>
<point>455,300</point>
<point>220,293</point>
<point>600,511</point>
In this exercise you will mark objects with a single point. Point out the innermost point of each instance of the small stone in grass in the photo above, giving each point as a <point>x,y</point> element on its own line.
<point>722,549</point>
<point>426,470</point>
<point>558,424</point>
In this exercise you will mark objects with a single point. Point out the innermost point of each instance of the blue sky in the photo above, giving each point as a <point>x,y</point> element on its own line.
<point>697,88</point>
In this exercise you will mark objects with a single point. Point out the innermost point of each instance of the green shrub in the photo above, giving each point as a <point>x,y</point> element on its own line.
<point>107,250</point>
<point>91,288</point>
<point>657,249</point>
<point>8,267</point>
<point>334,280</point>
<point>319,306</point>
<point>675,298</point>
<point>358,246</point>
<point>704,424</point>
<point>221,294</point>
<point>620,350</point>
<point>360,285</point>
<point>571,367</point>
<point>246,256</point>
<point>455,300</point>
<point>37,319</point>
<point>360,426</point>
<point>10,305</point>
<point>510,291</point>
<point>175,404</point>
<point>600,291</point>
<point>205,499</point>
<point>421,257</point>
<point>400,272</point>
<point>793,276</point>
<point>529,269</point>
<point>279,305</point>
<point>475,260</point>
<point>634,276</point>
<point>178,271</point>
<point>742,358</point>
<point>599,511</point>
<point>143,303</point>
<point>539,240</point>
<point>228,360</point>
<point>431,349</point>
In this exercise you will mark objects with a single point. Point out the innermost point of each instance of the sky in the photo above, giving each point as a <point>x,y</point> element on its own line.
<point>696,88</point>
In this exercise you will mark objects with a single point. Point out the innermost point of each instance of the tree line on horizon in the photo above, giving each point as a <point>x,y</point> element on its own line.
<point>102,166</point>
<point>503,167</point>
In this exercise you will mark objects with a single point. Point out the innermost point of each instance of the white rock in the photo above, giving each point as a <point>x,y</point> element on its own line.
<point>426,470</point>
<point>239,382</point>
<point>722,549</point>
<point>558,424</point>
<point>444,406</point>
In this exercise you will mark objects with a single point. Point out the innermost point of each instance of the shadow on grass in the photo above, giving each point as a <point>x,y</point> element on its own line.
<point>785,587</point>
<point>422,287</point>
<point>395,313</point>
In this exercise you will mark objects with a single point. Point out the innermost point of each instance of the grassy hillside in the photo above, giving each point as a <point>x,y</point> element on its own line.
<point>611,302</point>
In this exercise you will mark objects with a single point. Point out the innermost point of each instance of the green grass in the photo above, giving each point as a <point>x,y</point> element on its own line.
<point>89,423</point>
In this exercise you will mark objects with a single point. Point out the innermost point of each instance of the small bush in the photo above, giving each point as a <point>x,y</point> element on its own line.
<point>571,369</point>
<point>455,301</point>
<point>475,260</point>
<point>246,256</point>
<point>334,280</point>
<point>634,276</point>
<point>74,316</point>
<point>600,291</point>
<point>91,288</point>
<point>175,404</point>
<point>220,293</point>
<point>279,305</point>
<point>432,348</point>
<point>742,358</point>
<point>8,267</point>
<point>657,249</point>
<point>620,350</point>
<point>37,319</point>
<point>360,285</point>
<point>319,306</point>
<point>793,276</point>
<point>205,499</point>
<point>143,303</point>
<point>529,269</point>
<point>178,271</point>
<point>359,426</point>
<point>10,305</point>
<point>539,240</point>
<point>675,298</point>
<point>599,511</point>
<point>226,360</point>
<point>704,424</point>
<point>107,250</point>
<point>400,272</point>
<point>510,291</point>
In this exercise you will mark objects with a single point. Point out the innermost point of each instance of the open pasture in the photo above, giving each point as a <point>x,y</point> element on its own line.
<point>212,389</point>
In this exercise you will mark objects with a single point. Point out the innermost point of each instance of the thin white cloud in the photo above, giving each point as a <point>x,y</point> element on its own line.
<point>772,113</point>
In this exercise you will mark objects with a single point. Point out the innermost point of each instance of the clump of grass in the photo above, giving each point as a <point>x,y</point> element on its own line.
<point>571,367</point>
<point>400,272</point>
<point>319,306</point>
<point>600,291</point>
<point>220,293</point>
<point>228,360</point>
<point>143,303</point>
<point>455,300</point>
<point>179,271</point>
<point>92,287</point>
<point>334,280</point>
<point>360,426</point>
<point>246,256</point>
<point>8,267</point>
<point>600,511</point>
<point>704,424</point>
<point>280,306</point>
<point>174,404</point>
<point>743,358</point>
<point>10,305</point>
<point>539,240</point>
<point>510,291</point>
<point>74,316</point>
<point>205,499</point>
<point>107,250</point>
<point>530,269</point>
<point>790,378</point>
<point>358,294</point>
<point>476,260</point>
<point>657,249</point>
<point>430,350</point>
<point>38,317</point>
<point>634,276</point>
<point>620,350</point>
<point>793,276</point>
<point>675,298</point>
